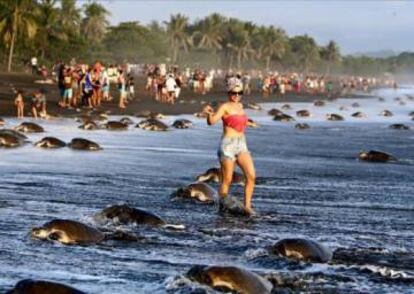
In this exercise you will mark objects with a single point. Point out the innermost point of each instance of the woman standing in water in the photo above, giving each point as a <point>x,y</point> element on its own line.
<point>233,147</point>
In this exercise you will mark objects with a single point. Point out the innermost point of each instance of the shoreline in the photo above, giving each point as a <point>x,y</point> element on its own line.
<point>188,103</point>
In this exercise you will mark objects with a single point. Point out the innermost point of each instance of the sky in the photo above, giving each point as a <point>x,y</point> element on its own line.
<point>356,25</point>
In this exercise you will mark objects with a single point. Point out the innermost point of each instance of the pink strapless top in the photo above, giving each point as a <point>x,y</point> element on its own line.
<point>237,122</point>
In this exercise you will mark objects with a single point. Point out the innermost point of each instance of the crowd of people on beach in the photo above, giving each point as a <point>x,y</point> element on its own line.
<point>89,86</point>
<point>84,85</point>
<point>165,84</point>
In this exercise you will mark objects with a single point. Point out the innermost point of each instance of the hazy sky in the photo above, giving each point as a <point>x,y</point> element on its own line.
<point>356,25</point>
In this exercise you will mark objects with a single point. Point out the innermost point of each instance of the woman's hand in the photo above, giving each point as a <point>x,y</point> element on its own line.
<point>208,109</point>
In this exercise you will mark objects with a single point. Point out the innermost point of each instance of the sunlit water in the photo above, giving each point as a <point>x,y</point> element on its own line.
<point>311,186</point>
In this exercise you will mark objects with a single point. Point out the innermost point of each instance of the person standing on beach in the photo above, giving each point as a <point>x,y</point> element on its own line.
<point>39,104</point>
<point>33,63</point>
<point>19,102</point>
<point>122,89</point>
<point>233,147</point>
<point>67,84</point>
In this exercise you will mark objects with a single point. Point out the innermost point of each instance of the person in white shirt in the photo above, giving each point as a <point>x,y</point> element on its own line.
<point>33,63</point>
<point>171,85</point>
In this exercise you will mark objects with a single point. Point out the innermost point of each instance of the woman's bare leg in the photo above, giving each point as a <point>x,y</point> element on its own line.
<point>245,161</point>
<point>227,169</point>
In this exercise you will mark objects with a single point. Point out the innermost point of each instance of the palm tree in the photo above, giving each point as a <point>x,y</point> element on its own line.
<point>16,18</point>
<point>273,43</point>
<point>178,37</point>
<point>306,51</point>
<point>49,27</point>
<point>209,32</point>
<point>70,17</point>
<point>95,22</point>
<point>331,55</point>
<point>239,40</point>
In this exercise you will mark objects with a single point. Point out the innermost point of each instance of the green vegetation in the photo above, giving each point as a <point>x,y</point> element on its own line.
<point>54,30</point>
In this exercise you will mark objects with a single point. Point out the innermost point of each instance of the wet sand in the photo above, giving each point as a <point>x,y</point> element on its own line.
<point>188,103</point>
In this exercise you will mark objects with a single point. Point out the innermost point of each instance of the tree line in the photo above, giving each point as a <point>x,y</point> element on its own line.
<point>56,30</point>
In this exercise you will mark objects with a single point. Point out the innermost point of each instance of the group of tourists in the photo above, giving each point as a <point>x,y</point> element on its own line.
<point>89,86</point>
<point>165,84</point>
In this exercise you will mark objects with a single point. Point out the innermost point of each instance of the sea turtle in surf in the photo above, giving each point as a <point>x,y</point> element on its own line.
<point>50,142</point>
<point>200,191</point>
<point>334,117</point>
<point>126,120</point>
<point>182,124</point>
<point>286,107</point>
<point>302,126</point>
<point>358,114</point>
<point>399,127</point>
<point>386,113</point>
<point>11,139</point>
<point>70,232</point>
<point>283,117</point>
<point>84,144</point>
<point>149,114</point>
<point>115,126</point>
<point>14,133</point>
<point>152,124</point>
<point>376,156</point>
<point>302,249</point>
<point>303,113</point>
<point>252,124</point>
<point>274,111</point>
<point>230,279</point>
<point>124,215</point>
<point>214,175</point>
<point>200,114</point>
<point>253,106</point>
<point>89,126</point>
<point>319,103</point>
<point>29,127</point>
<point>29,286</point>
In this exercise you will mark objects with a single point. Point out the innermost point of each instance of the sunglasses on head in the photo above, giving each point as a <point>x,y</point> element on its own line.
<point>236,93</point>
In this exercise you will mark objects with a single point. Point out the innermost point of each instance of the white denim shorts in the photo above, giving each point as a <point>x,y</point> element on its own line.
<point>231,147</point>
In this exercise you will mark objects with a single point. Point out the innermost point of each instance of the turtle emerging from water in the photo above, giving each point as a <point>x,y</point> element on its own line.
<point>29,127</point>
<point>376,156</point>
<point>11,138</point>
<point>152,124</point>
<point>29,286</point>
<point>70,232</point>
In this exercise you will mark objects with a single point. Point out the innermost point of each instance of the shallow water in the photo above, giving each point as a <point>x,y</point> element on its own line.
<point>311,186</point>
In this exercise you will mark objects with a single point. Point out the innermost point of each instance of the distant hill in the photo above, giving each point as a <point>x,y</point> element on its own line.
<point>377,54</point>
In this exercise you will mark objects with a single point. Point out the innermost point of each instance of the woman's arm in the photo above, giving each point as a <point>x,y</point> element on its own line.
<point>214,117</point>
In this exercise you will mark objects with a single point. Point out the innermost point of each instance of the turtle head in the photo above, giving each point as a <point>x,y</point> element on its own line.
<point>182,192</point>
<point>198,273</point>
<point>363,155</point>
<point>39,233</point>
